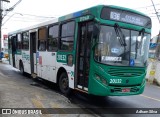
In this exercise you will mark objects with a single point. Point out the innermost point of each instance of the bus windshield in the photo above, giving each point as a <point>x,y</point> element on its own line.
<point>123,48</point>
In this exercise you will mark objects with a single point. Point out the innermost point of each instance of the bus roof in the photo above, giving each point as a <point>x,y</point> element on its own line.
<point>77,14</point>
<point>35,26</point>
<point>95,8</point>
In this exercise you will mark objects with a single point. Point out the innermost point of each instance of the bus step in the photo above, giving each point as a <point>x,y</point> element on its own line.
<point>79,86</point>
<point>34,75</point>
<point>81,90</point>
<point>85,88</point>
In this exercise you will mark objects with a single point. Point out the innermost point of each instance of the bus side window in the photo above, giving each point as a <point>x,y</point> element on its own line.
<point>52,41</point>
<point>42,35</point>
<point>42,46</point>
<point>25,41</point>
<point>67,36</point>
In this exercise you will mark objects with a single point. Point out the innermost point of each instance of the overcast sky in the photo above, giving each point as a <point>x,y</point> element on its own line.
<point>21,17</point>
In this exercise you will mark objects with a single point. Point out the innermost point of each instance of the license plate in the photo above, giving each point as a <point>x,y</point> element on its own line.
<point>126,90</point>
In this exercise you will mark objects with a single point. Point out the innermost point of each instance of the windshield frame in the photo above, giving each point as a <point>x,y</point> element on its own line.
<point>130,30</point>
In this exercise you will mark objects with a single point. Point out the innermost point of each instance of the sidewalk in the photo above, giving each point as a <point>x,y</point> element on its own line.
<point>4,60</point>
<point>154,82</point>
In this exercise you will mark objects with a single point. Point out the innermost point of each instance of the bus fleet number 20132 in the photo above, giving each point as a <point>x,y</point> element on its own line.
<point>115,81</point>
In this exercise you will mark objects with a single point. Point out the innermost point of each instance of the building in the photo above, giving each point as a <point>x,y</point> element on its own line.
<point>5,45</point>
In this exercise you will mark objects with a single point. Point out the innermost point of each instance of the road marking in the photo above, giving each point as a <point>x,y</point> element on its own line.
<point>38,104</point>
<point>150,97</point>
<point>39,97</point>
<point>55,105</point>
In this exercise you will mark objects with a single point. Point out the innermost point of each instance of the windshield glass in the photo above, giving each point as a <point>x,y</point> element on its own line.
<point>139,48</point>
<point>126,50</point>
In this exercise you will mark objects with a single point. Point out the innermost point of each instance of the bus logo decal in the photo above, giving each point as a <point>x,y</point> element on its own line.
<point>72,73</point>
<point>25,56</point>
<point>127,81</point>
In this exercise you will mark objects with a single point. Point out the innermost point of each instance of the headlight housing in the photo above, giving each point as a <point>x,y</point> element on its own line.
<point>101,79</point>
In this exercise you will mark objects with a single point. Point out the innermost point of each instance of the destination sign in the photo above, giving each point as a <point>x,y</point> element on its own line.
<point>125,16</point>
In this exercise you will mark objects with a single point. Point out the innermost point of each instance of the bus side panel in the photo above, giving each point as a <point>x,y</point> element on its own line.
<point>70,72</point>
<point>39,71</point>
<point>26,61</point>
<point>17,59</point>
<point>46,65</point>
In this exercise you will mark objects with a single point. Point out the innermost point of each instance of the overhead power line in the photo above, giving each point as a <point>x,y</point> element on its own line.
<point>36,15</point>
<point>148,6</point>
<point>31,15</point>
<point>27,17</point>
<point>11,8</point>
<point>155,11</point>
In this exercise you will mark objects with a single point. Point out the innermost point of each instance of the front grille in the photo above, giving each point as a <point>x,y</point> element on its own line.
<point>118,90</point>
<point>134,89</point>
<point>120,85</point>
<point>125,72</point>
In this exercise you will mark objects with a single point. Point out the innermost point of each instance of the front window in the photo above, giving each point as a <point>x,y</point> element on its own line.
<point>139,48</point>
<point>123,47</point>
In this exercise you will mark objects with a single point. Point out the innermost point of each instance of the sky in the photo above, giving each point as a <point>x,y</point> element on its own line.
<point>31,12</point>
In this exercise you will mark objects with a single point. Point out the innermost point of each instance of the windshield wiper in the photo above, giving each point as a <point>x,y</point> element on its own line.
<point>121,38</point>
<point>120,34</point>
<point>141,33</point>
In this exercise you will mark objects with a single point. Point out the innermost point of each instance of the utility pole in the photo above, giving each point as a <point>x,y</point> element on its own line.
<point>1,10</point>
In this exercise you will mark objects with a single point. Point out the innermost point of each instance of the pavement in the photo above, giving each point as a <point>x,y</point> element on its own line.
<point>18,91</point>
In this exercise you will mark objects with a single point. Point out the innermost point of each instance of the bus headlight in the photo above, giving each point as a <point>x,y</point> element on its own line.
<point>104,81</point>
<point>70,60</point>
<point>101,79</point>
<point>97,77</point>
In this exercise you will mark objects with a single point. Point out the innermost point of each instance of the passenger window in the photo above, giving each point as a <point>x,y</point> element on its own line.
<point>52,41</point>
<point>67,36</point>
<point>25,41</point>
<point>42,34</point>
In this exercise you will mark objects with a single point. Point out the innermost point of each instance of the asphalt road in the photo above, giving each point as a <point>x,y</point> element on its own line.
<point>17,91</point>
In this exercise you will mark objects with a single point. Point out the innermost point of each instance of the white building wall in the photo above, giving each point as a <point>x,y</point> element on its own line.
<point>153,71</point>
<point>157,73</point>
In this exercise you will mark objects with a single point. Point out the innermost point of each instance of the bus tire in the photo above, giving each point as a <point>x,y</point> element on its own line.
<point>64,84</point>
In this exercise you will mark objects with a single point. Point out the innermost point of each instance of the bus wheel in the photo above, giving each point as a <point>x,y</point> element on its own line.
<point>64,84</point>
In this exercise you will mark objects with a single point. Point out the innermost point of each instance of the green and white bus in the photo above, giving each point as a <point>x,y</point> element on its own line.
<point>101,50</point>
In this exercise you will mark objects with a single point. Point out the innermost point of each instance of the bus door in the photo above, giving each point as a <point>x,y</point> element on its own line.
<point>13,42</point>
<point>83,54</point>
<point>33,46</point>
